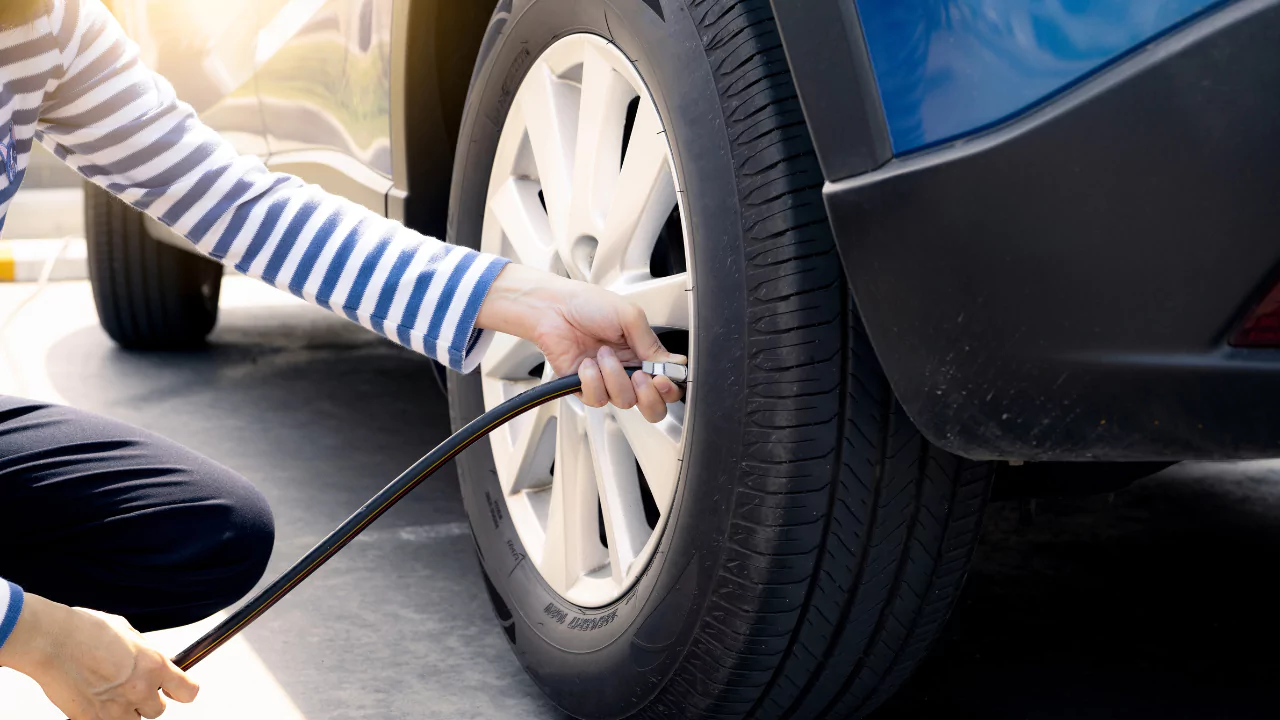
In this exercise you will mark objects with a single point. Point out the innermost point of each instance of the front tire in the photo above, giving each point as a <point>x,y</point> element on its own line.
<point>149,295</point>
<point>816,541</point>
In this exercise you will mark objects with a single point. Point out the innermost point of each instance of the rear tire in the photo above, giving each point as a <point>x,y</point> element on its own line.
<point>817,542</point>
<point>150,296</point>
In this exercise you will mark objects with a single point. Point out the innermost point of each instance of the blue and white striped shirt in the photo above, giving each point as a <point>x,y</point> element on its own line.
<point>74,82</point>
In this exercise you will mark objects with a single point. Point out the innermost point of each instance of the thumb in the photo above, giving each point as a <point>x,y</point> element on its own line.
<point>642,339</point>
<point>178,685</point>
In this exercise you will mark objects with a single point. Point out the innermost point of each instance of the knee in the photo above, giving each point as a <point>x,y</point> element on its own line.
<point>213,539</point>
<point>229,533</point>
<point>247,539</point>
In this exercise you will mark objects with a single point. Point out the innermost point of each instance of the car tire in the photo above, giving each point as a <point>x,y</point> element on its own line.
<point>149,295</point>
<point>816,542</point>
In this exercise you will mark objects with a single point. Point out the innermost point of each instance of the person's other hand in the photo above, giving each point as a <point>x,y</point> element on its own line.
<point>91,665</point>
<point>585,329</point>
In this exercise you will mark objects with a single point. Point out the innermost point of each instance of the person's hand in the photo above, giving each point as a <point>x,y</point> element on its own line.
<point>91,665</point>
<point>585,329</point>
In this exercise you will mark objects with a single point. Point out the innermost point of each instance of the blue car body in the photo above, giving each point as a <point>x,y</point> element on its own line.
<point>947,68</point>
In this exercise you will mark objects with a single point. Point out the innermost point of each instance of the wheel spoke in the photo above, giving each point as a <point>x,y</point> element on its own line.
<point>665,300</point>
<point>643,198</point>
<point>598,149</point>
<point>550,110</point>
<point>572,546</point>
<point>527,465</point>
<point>619,486</point>
<point>510,358</point>
<point>515,206</point>
<point>657,447</point>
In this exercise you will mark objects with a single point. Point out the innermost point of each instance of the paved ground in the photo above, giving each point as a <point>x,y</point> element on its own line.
<point>320,414</point>
<point>1156,603</point>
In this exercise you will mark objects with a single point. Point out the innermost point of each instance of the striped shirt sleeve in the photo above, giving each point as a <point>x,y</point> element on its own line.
<point>121,126</point>
<point>10,608</point>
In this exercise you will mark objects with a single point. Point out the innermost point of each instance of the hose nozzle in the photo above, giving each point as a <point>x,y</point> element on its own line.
<point>674,372</point>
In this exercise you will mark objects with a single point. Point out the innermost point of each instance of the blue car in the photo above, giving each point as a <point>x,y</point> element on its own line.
<point>911,247</point>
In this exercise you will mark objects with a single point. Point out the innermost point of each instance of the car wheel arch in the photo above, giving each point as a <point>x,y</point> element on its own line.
<point>433,40</point>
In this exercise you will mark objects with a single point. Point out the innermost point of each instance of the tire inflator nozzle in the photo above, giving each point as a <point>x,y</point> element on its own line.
<point>674,372</point>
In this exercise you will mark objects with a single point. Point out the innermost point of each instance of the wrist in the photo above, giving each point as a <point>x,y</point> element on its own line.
<point>520,299</point>
<point>28,646</point>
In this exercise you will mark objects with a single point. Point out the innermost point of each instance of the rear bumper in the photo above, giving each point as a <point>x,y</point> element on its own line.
<point>1062,287</point>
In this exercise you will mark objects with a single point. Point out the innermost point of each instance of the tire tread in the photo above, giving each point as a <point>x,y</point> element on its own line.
<point>149,295</point>
<point>850,534</point>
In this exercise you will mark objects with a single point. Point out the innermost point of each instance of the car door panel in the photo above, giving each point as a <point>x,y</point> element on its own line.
<point>207,51</point>
<point>324,79</point>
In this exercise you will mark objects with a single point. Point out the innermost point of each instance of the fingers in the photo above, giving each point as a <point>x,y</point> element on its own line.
<point>648,400</point>
<point>668,390</point>
<point>594,393</point>
<point>653,394</point>
<point>605,381</point>
<point>621,392</point>
<point>178,685</point>
<point>169,678</point>
<point>152,671</point>
<point>153,708</point>
<point>644,341</point>
<point>640,335</point>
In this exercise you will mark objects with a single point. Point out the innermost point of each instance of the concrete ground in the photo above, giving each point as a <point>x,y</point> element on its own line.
<point>1153,603</point>
<point>320,414</point>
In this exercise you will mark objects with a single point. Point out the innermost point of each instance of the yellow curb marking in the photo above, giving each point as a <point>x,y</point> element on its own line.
<point>8,266</point>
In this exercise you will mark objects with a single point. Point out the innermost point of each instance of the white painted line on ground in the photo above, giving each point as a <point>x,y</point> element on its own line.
<point>25,260</point>
<point>417,533</point>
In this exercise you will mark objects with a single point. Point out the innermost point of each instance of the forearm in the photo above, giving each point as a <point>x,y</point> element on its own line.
<point>413,289</point>
<point>121,126</point>
<point>322,248</point>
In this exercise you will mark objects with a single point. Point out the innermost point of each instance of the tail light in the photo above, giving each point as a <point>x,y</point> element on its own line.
<point>1261,327</point>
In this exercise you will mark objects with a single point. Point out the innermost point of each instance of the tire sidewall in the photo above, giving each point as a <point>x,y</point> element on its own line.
<point>149,295</point>
<point>608,662</point>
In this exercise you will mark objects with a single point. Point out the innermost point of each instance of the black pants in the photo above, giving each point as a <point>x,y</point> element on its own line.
<point>98,514</point>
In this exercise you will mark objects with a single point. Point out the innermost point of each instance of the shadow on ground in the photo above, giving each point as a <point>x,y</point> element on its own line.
<point>321,414</point>
<point>1155,603</point>
<point>1158,602</point>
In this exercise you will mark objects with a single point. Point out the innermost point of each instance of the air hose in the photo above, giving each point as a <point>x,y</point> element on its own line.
<point>253,608</point>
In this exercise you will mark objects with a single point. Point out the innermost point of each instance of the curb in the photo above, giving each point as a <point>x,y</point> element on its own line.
<point>27,260</point>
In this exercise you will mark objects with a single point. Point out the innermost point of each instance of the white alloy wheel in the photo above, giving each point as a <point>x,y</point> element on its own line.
<point>584,185</point>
